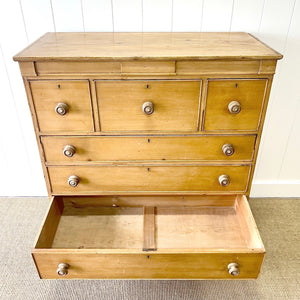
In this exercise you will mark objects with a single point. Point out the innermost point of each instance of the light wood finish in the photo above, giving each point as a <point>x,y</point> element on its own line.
<point>249,93</point>
<point>95,46</point>
<point>156,265</point>
<point>148,67</point>
<point>176,105</point>
<point>247,222</point>
<point>147,148</point>
<point>218,67</point>
<point>138,179</point>
<point>144,200</point>
<point>146,120</point>
<point>49,228</point>
<point>67,67</point>
<point>258,139</point>
<point>36,130</point>
<point>108,228</point>
<point>149,243</point>
<point>191,242</point>
<point>27,68</point>
<point>47,94</point>
<point>267,66</point>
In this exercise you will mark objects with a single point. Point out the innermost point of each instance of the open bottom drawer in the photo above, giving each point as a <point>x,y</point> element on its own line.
<point>193,237</point>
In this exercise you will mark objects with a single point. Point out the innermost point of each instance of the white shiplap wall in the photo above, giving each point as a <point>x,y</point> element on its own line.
<point>275,22</point>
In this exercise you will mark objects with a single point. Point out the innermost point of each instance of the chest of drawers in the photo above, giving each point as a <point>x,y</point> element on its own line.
<point>148,143</point>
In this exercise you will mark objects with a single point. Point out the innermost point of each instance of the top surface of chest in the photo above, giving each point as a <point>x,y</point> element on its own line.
<point>146,46</point>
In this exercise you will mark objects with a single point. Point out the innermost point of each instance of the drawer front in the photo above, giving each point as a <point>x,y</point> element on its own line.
<point>147,265</point>
<point>234,104</point>
<point>86,149</point>
<point>147,179</point>
<point>62,105</point>
<point>147,237</point>
<point>148,105</point>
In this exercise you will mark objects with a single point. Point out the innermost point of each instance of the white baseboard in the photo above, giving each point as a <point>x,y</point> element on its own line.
<point>275,189</point>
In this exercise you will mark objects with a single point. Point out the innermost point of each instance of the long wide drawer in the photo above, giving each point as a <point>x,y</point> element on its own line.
<point>70,149</point>
<point>196,237</point>
<point>150,179</point>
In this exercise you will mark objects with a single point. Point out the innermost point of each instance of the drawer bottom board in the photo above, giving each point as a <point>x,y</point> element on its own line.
<point>101,241</point>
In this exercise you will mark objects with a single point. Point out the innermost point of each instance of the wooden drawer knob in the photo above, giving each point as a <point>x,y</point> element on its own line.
<point>233,269</point>
<point>228,149</point>
<point>69,150</point>
<point>62,269</point>
<point>224,180</point>
<point>148,108</point>
<point>73,180</point>
<point>234,107</point>
<point>61,109</point>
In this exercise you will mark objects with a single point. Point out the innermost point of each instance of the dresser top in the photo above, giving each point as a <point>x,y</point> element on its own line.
<point>107,46</point>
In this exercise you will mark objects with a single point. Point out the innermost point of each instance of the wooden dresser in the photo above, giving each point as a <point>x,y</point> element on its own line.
<point>148,143</point>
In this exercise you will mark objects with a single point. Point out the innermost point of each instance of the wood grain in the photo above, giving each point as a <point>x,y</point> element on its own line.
<point>119,179</point>
<point>148,45</point>
<point>147,148</point>
<point>47,94</point>
<point>219,67</point>
<point>149,243</point>
<point>67,67</point>
<point>72,203</point>
<point>191,242</point>
<point>176,105</point>
<point>148,67</point>
<point>50,224</point>
<point>249,93</point>
<point>139,265</point>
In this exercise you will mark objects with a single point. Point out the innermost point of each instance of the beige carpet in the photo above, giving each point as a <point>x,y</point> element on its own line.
<point>277,220</point>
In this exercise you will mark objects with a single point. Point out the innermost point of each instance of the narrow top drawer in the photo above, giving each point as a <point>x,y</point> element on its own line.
<point>148,105</point>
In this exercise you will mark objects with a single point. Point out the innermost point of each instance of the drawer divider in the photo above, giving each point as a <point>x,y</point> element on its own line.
<point>149,229</point>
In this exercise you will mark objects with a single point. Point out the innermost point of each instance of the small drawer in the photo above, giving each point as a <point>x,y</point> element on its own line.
<point>70,149</point>
<point>95,180</point>
<point>148,105</point>
<point>62,105</point>
<point>164,237</point>
<point>234,104</point>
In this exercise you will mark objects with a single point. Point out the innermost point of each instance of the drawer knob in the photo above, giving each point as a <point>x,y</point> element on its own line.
<point>228,149</point>
<point>62,269</point>
<point>69,150</point>
<point>73,180</point>
<point>233,269</point>
<point>224,180</point>
<point>234,107</point>
<point>61,109</point>
<point>148,108</point>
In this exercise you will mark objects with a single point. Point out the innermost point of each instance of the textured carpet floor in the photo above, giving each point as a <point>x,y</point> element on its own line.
<point>277,220</point>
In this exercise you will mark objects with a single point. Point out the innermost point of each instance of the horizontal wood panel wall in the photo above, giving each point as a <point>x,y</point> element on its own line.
<point>275,22</point>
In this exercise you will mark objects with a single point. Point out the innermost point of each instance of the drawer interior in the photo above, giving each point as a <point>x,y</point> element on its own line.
<point>148,223</point>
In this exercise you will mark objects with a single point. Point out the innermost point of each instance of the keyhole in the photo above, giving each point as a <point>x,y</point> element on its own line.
<point>236,85</point>
<point>147,86</point>
<point>148,140</point>
<point>58,86</point>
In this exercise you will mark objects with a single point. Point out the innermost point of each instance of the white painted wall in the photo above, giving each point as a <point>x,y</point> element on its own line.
<point>275,22</point>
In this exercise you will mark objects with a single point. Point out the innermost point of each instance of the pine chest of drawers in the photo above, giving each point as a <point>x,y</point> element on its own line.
<point>148,143</point>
